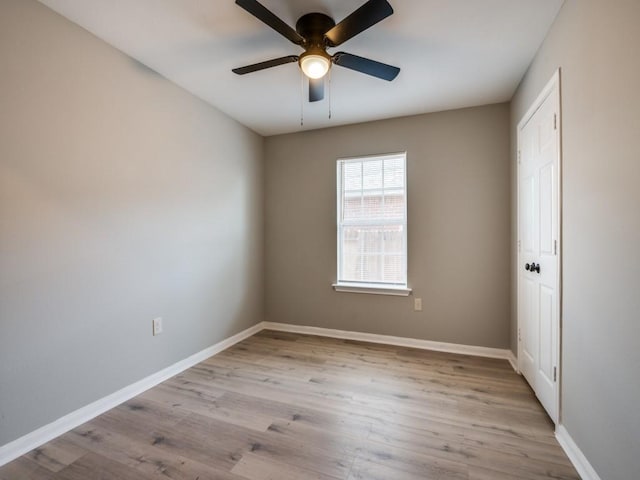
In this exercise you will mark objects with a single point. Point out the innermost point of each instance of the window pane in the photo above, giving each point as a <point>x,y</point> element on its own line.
<point>373,254</point>
<point>372,174</point>
<point>394,204</point>
<point>372,204</point>
<point>352,207</point>
<point>394,240</point>
<point>394,173</point>
<point>352,173</point>
<point>393,268</point>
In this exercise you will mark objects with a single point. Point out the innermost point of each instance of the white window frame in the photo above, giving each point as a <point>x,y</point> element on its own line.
<point>401,289</point>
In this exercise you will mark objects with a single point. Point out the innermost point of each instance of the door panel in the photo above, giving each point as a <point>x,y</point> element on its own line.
<point>546,325</point>
<point>538,230</point>
<point>546,210</point>
<point>529,339</point>
<point>545,131</point>
<point>527,191</point>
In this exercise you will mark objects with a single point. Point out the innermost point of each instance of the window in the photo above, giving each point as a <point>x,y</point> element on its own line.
<point>372,224</point>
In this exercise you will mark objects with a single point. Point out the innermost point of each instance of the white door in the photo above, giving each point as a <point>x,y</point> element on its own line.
<point>539,248</point>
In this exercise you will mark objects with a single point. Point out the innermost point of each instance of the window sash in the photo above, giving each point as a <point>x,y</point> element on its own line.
<point>370,219</point>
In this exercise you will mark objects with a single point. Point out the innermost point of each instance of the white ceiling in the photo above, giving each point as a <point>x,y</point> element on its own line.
<point>453,54</point>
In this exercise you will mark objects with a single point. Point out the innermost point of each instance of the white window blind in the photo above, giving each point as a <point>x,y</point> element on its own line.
<point>372,221</point>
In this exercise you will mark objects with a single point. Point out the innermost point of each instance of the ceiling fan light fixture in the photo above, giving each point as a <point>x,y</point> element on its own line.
<point>315,65</point>
<point>314,33</point>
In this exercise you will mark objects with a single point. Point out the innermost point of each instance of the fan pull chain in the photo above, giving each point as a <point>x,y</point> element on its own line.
<point>301,99</point>
<point>329,81</point>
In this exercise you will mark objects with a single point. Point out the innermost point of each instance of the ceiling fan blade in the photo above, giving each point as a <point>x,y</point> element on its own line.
<point>264,15</point>
<point>316,89</point>
<point>366,16</point>
<point>268,64</point>
<point>365,65</point>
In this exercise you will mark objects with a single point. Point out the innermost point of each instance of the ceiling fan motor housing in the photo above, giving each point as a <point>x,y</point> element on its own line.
<point>312,27</point>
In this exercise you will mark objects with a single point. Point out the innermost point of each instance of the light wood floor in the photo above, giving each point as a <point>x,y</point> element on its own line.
<point>293,407</point>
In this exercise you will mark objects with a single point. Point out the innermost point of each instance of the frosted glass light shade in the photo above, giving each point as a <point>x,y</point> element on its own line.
<point>315,66</point>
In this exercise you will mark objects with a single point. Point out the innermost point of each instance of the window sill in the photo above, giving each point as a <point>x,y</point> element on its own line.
<point>372,289</point>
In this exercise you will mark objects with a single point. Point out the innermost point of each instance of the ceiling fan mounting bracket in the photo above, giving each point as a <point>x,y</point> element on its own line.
<point>312,27</point>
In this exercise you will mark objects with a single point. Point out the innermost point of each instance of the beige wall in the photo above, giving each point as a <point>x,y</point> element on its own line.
<point>122,198</point>
<point>458,227</point>
<point>595,43</point>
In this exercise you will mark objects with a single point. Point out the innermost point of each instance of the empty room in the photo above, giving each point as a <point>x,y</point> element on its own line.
<point>319,239</point>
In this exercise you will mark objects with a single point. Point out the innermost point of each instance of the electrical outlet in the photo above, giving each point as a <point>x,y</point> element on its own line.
<point>417,304</point>
<point>157,326</point>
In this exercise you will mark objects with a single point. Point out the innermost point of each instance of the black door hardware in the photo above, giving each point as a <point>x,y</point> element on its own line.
<point>532,268</point>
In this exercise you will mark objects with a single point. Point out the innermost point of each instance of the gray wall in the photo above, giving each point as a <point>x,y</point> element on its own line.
<point>596,45</point>
<point>458,227</point>
<point>122,198</point>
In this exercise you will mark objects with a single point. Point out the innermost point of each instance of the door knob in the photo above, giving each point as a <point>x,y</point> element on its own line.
<point>527,267</point>
<point>535,267</point>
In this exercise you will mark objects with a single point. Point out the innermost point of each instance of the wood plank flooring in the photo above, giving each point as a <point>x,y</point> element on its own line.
<point>282,406</point>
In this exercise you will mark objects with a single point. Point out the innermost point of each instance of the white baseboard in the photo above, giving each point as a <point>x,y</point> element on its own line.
<point>513,361</point>
<point>390,340</point>
<point>42,435</point>
<point>580,462</point>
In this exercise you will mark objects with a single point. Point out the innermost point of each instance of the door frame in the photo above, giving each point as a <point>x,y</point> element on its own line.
<point>554,84</point>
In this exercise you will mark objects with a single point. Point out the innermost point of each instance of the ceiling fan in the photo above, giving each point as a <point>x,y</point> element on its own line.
<point>315,32</point>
